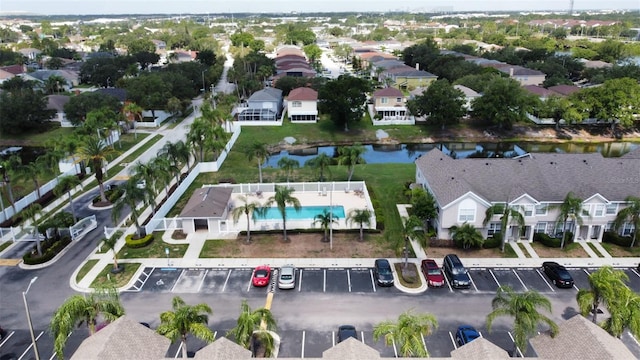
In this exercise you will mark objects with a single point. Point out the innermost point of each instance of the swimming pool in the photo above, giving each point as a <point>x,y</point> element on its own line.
<point>305,213</point>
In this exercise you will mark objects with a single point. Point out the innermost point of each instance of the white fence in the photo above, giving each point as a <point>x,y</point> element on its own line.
<point>24,233</point>
<point>318,187</point>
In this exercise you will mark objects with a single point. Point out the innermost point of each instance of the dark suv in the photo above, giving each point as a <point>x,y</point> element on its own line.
<point>382,269</point>
<point>456,272</point>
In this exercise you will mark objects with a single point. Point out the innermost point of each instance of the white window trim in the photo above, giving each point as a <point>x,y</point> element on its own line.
<point>543,207</point>
<point>384,100</point>
<point>601,208</point>
<point>528,208</point>
<point>611,206</point>
<point>539,225</point>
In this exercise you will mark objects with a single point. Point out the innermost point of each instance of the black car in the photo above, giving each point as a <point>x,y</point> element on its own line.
<point>558,274</point>
<point>347,331</point>
<point>382,269</point>
<point>456,272</point>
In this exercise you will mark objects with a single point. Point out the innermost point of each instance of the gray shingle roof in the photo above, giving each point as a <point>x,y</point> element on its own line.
<point>223,348</point>
<point>545,177</point>
<point>479,349</point>
<point>266,94</point>
<point>351,349</point>
<point>207,202</point>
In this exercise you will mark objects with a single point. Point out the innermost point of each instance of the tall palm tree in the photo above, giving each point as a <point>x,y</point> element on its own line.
<point>196,137</point>
<point>163,168</point>
<point>412,229</point>
<point>259,152</point>
<point>150,174</point>
<point>321,164</point>
<point>625,314</point>
<point>605,284</point>
<point>95,150</point>
<point>282,198</point>
<point>325,220</point>
<point>132,112</point>
<point>246,208</point>
<point>65,185</point>
<point>133,195</point>
<point>216,140</point>
<point>467,235</point>
<point>288,165</point>
<point>407,333</point>
<point>523,308</point>
<point>33,213</point>
<point>509,214</point>
<point>7,169</point>
<point>351,156</point>
<point>178,153</point>
<point>571,208</point>
<point>88,309</point>
<point>186,319</point>
<point>361,217</point>
<point>631,213</point>
<point>54,84</point>
<point>249,322</point>
<point>111,243</point>
<point>34,171</point>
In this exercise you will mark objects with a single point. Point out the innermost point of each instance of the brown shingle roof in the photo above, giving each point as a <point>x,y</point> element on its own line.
<point>302,94</point>
<point>388,91</point>
<point>207,202</point>
<point>538,90</point>
<point>564,89</point>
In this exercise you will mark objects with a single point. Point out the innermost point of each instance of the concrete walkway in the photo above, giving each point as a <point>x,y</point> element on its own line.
<point>530,250</point>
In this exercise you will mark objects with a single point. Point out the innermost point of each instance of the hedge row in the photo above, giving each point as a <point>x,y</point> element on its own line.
<point>111,195</point>
<point>554,242</point>
<point>33,259</point>
<point>133,243</point>
<point>613,238</point>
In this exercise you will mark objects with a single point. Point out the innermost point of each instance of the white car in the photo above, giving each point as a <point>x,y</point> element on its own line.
<point>287,277</point>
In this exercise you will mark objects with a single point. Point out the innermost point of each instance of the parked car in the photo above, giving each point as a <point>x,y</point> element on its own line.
<point>558,274</point>
<point>432,272</point>
<point>466,334</point>
<point>347,331</point>
<point>457,273</point>
<point>287,277</point>
<point>382,270</point>
<point>261,275</point>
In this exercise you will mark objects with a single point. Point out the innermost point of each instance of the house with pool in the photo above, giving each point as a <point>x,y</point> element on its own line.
<point>210,207</point>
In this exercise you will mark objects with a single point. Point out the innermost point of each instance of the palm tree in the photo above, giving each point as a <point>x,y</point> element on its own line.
<point>407,333</point>
<point>33,171</point>
<point>412,229</point>
<point>321,164</point>
<point>150,175</point>
<point>96,151</point>
<point>571,207</point>
<point>66,184</point>
<point>288,165</point>
<point>246,208</point>
<point>605,285</point>
<point>259,152</point>
<point>132,196</point>
<point>133,111</point>
<point>216,140</point>
<point>186,319</point>
<point>178,153</point>
<point>325,220</point>
<point>196,137</point>
<point>631,213</point>
<point>509,215</point>
<point>625,314</point>
<point>523,307</point>
<point>54,83</point>
<point>33,212</point>
<point>467,235</point>
<point>351,156</point>
<point>111,243</point>
<point>361,217</point>
<point>7,168</point>
<point>282,198</point>
<point>249,322</point>
<point>87,309</point>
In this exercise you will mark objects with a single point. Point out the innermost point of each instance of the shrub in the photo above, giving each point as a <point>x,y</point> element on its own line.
<point>613,238</point>
<point>112,195</point>
<point>492,242</point>
<point>547,240</point>
<point>32,258</point>
<point>134,243</point>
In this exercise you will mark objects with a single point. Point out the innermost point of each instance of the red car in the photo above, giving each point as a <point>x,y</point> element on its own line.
<point>435,277</point>
<point>261,275</point>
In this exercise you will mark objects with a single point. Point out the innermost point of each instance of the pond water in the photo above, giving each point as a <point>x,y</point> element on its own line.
<point>408,153</point>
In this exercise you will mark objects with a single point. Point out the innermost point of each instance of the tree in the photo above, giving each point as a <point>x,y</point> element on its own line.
<point>88,309</point>
<point>95,151</point>
<point>361,217</point>
<point>146,58</point>
<point>259,152</point>
<point>186,319</point>
<point>34,170</point>
<point>178,153</point>
<point>325,220</point>
<point>625,314</point>
<point>508,214</point>
<point>559,108</point>
<point>33,213</point>
<point>441,103</point>
<point>504,102</point>
<point>151,176</point>
<point>22,109</point>
<point>247,208</point>
<point>615,100</point>
<point>571,208</point>
<point>466,236</point>
<point>65,185</point>
<point>282,198</point>
<point>133,195</point>
<point>412,230</point>
<point>321,164</point>
<point>7,168</point>
<point>80,105</point>
<point>150,91</point>
<point>111,243</point>
<point>407,333</point>
<point>524,309</point>
<point>313,52</point>
<point>251,321</point>
<point>288,165</point>
<point>605,284</point>
<point>132,112</point>
<point>54,83</point>
<point>343,99</point>
<point>196,137</point>
<point>350,156</point>
<point>423,204</point>
<point>631,214</point>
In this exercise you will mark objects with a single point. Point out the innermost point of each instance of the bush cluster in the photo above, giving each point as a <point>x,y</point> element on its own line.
<point>132,242</point>
<point>492,242</point>
<point>553,242</point>
<point>111,194</point>
<point>32,258</point>
<point>613,238</point>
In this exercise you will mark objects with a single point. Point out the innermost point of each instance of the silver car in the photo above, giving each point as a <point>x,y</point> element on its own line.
<point>287,277</point>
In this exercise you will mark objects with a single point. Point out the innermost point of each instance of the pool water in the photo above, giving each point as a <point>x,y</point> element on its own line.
<point>305,213</point>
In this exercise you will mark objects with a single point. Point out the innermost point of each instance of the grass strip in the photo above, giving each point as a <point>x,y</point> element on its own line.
<point>86,267</point>
<point>106,279</point>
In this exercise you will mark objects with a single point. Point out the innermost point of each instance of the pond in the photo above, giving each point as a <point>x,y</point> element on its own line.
<point>408,153</point>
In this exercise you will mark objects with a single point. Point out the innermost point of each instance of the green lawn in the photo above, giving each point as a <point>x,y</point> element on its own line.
<point>85,269</point>
<point>153,250</point>
<point>107,279</point>
<point>142,149</point>
<point>36,139</point>
<point>5,245</point>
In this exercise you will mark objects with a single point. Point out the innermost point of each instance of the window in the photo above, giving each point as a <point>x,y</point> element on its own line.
<point>541,227</point>
<point>467,211</point>
<point>627,229</point>
<point>528,210</point>
<point>384,100</point>
<point>612,209</point>
<point>609,226</point>
<point>399,100</point>
<point>493,228</point>
<point>296,104</point>
<point>541,209</point>
<point>598,210</point>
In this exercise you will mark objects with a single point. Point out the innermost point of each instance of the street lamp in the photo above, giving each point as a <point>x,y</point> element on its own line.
<point>166,251</point>
<point>204,89</point>
<point>26,308</point>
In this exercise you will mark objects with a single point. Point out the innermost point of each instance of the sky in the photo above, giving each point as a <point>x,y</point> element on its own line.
<point>90,7</point>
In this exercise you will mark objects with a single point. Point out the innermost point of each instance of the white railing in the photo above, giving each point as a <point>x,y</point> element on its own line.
<point>82,227</point>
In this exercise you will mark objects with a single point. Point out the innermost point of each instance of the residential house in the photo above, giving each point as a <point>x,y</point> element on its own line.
<point>72,79</point>
<point>57,103</point>
<point>206,210</point>
<point>539,91</point>
<point>564,90</point>
<point>521,74</point>
<point>397,74</point>
<point>533,183</point>
<point>302,105</point>
<point>263,105</point>
<point>469,95</point>
<point>11,71</point>
<point>30,53</point>
<point>389,107</point>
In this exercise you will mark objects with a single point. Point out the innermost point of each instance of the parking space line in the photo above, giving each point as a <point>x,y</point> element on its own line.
<point>178,351</point>
<point>6,338</point>
<point>455,345</point>
<point>250,281</point>
<point>324,281</point>
<point>202,281</point>
<point>395,350</point>
<point>472,282</point>
<point>521,282</point>
<point>303,336</point>
<point>349,279</point>
<point>373,281</point>
<point>333,338</point>
<point>300,282</point>
<point>362,336</point>
<point>586,272</point>
<point>480,333</point>
<point>545,280</point>
<point>635,272</point>
<point>449,285</point>
<point>145,280</point>
<point>494,277</point>
<point>424,343</point>
<point>226,280</point>
<point>178,280</point>
<point>30,346</point>
<point>517,348</point>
